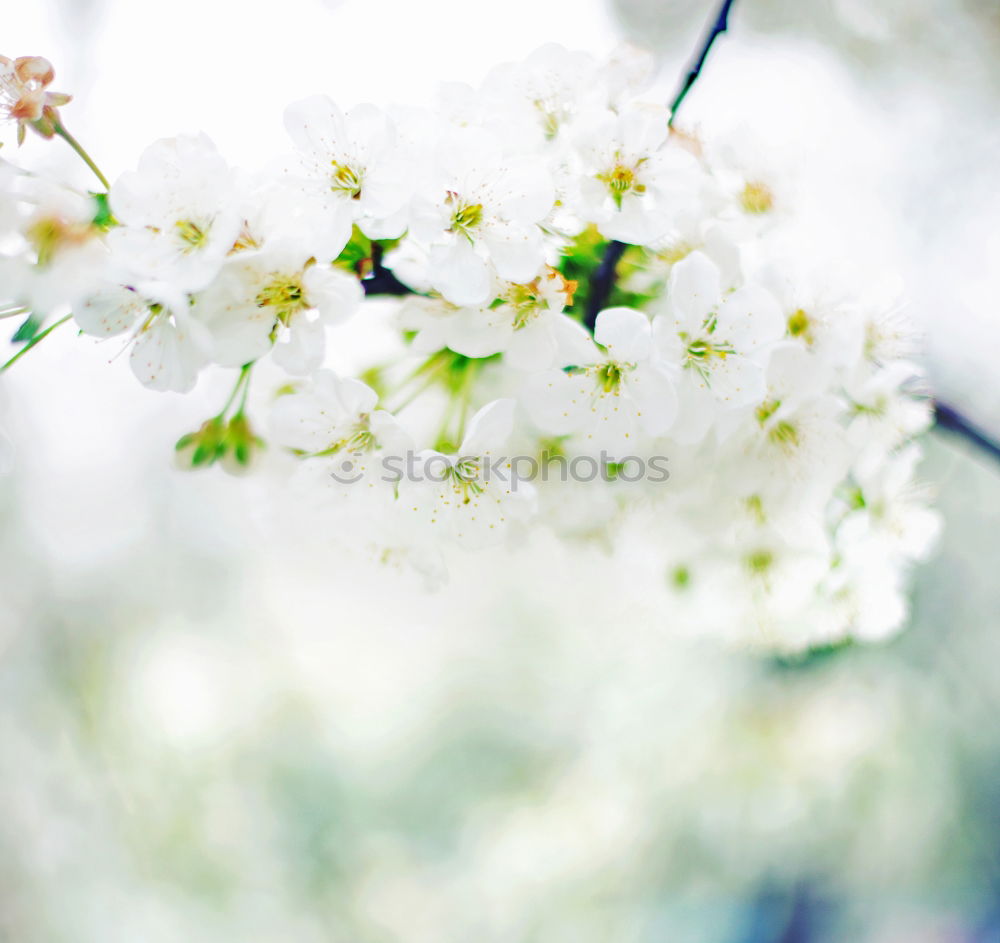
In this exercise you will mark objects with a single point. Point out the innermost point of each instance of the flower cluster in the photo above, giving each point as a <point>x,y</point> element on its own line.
<point>560,275</point>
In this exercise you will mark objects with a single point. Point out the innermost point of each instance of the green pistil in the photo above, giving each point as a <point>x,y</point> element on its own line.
<point>284,294</point>
<point>879,408</point>
<point>465,476</point>
<point>798,324</point>
<point>873,339</point>
<point>756,508</point>
<point>191,234</point>
<point>155,310</point>
<point>467,218</point>
<point>767,409</point>
<point>700,352</point>
<point>550,119</point>
<point>526,304</point>
<point>759,562</point>
<point>785,434</point>
<point>610,375</point>
<point>757,198</point>
<point>346,180</point>
<point>619,181</point>
<point>360,439</point>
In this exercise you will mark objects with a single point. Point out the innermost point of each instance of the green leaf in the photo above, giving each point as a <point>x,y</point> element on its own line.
<point>28,330</point>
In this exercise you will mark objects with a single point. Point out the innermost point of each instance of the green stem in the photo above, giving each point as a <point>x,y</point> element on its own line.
<point>430,371</point>
<point>242,379</point>
<point>37,339</point>
<point>443,442</point>
<point>446,442</point>
<point>13,313</point>
<point>246,390</point>
<point>429,381</point>
<point>471,369</point>
<point>60,129</point>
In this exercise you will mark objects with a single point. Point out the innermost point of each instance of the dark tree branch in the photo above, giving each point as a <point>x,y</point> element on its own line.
<point>385,283</point>
<point>382,281</point>
<point>602,281</point>
<point>951,420</point>
<point>719,26</point>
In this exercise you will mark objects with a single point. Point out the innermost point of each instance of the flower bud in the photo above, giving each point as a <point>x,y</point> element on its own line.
<point>243,445</point>
<point>23,95</point>
<point>233,442</point>
<point>202,448</point>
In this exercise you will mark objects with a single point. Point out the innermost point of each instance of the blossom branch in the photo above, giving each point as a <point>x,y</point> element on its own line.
<point>241,269</point>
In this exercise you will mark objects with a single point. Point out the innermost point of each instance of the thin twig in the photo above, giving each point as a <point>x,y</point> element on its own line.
<point>60,129</point>
<point>719,26</point>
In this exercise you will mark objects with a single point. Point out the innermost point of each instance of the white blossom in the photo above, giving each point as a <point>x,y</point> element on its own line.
<point>479,214</point>
<point>615,398</point>
<point>717,343</point>
<point>178,213</point>
<point>352,171</point>
<point>274,298</point>
<point>168,347</point>
<point>526,325</point>
<point>634,182</point>
<point>470,496</point>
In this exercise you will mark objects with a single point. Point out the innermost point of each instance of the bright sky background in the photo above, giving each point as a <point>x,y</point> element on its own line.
<point>229,67</point>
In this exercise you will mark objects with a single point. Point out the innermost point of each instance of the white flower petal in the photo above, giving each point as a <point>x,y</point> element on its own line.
<point>694,290</point>
<point>460,274</point>
<point>164,357</point>
<point>110,312</point>
<point>302,345</point>
<point>625,332</point>
<point>750,320</point>
<point>489,428</point>
<point>315,124</point>
<point>335,294</point>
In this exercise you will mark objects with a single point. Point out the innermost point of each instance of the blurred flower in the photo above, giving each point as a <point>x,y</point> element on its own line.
<point>24,97</point>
